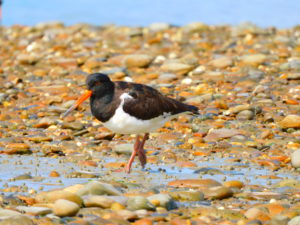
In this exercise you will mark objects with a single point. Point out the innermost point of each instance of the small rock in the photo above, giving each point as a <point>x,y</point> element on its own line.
<point>294,221</point>
<point>64,207</point>
<point>73,126</point>
<point>36,211</point>
<point>167,77</point>
<point>245,115</point>
<point>23,177</point>
<point>254,59</point>
<point>17,220</point>
<point>221,62</point>
<point>254,213</point>
<point>17,148</point>
<point>217,134</point>
<point>188,195</point>
<point>125,149</point>
<point>290,121</point>
<point>236,109</point>
<point>98,188</point>
<point>279,220</point>
<point>27,59</point>
<point>176,67</point>
<point>294,63</point>
<point>293,76</point>
<point>288,183</point>
<point>137,60</point>
<point>139,202</point>
<point>5,213</point>
<point>234,184</point>
<point>162,200</point>
<point>97,201</point>
<point>52,196</point>
<point>39,139</point>
<point>219,192</point>
<point>295,159</point>
<point>195,183</point>
<point>127,215</point>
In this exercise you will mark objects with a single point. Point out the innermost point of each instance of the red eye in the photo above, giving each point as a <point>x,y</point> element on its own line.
<point>97,83</point>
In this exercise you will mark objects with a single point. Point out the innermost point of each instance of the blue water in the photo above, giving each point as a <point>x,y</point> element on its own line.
<point>265,13</point>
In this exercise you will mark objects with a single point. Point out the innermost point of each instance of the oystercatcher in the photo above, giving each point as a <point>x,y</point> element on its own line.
<point>130,108</point>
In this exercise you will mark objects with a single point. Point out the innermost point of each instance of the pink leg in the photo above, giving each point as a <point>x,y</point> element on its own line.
<point>135,151</point>
<point>141,152</point>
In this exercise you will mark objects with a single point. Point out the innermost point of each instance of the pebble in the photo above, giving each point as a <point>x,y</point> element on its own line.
<point>294,221</point>
<point>33,210</point>
<point>17,148</point>
<point>97,201</point>
<point>64,208</point>
<point>293,76</point>
<point>221,62</point>
<point>138,60</point>
<point>98,188</point>
<point>192,195</point>
<point>17,220</point>
<point>219,192</point>
<point>195,183</point>
<point>167,77</point>
<point>176,68</point>
<point>73,126</point>
<point>162,200</point>
<point>254,59</point>
<point>5,213</point>
<point>295,159</point>
<point>123,148</point>
<point>290,121</point>
<point>245,115</point>
<point>52,196</point>
<point>217,134</point>
<point>139,202</point>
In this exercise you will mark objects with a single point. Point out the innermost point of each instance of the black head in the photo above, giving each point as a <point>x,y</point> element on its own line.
<point>97,79</point>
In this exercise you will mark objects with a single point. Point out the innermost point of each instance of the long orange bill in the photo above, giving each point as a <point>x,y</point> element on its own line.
<point>83,97</point>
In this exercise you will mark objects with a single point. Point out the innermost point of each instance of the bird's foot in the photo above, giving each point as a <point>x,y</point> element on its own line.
<point>142,157</point>
<point>127,169</point>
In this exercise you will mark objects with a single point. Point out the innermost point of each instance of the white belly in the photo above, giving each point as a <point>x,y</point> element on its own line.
<point>123,123</point>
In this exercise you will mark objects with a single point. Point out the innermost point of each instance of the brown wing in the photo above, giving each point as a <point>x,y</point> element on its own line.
<point>147,103</point>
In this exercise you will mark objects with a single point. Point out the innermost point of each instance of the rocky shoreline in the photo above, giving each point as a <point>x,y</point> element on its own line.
<point>236,163</point>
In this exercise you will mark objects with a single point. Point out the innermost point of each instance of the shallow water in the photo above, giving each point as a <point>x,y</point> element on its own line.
<point>154,175</point>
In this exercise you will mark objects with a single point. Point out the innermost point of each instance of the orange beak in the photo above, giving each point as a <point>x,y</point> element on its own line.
<point>83,97</point>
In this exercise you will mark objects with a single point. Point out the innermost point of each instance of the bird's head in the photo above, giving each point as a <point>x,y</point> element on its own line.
<point>95,84</point>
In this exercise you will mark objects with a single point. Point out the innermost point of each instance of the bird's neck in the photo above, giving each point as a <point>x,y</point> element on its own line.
<point>100,102</point>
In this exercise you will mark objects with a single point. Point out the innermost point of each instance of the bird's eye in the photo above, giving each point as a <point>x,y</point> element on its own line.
<point>97,83</point>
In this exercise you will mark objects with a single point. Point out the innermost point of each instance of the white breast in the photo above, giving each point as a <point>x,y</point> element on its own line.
<point>123,123</point>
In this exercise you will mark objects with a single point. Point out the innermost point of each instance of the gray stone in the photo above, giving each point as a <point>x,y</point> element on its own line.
<point>37,211</point>
<point>294,221</point>
<point>139,202</point>
<point>17,220</point>
<point>295,159</point>
<point>98,188</point>
<point>64,208</point>
<point>164,200</point>
<point>97,201</point>
<point>5,213</point>
<point>245,115</point>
